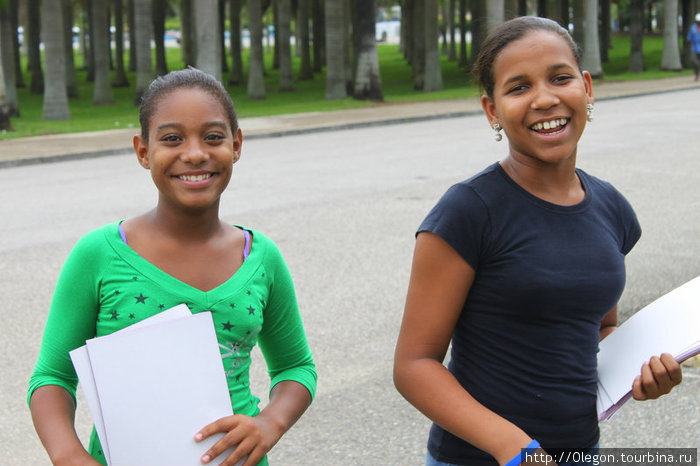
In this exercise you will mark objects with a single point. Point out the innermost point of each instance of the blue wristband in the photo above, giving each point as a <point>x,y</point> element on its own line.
<point>524,453</point>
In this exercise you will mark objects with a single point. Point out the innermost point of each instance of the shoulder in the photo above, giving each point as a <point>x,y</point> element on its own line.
<point>98,239</point>
<point>604,191</point>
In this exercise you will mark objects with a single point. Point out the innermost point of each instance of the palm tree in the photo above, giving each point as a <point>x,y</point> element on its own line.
<point>433,74</point>
<point>159,8</point>
<point>71,80</point>
<point>120,79</point>
<point>335,50</point>
<point>305,70</point>
<point>368,83</point>
<point>451,26</point>
<point>591,46</point>
<point>256,78</point>
<point>55,95</point>
<point>5,124</point>
<point>319,33</point>
<point>32,39</point>
<point>8,99</point>
<point>235,78</point>
<point>206,21</point>
<point>636,36</point>
<point>671,57</point>
<point>102,91</point>
<point>282,32</point>
<point>495,14</point>
<point>418,46</point>
<point>13,7</point>
<point>187,32</point>
<point>143,32</point>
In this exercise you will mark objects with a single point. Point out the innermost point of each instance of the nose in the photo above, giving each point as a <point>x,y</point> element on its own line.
<point>194,153</point>
<point>544,99</point>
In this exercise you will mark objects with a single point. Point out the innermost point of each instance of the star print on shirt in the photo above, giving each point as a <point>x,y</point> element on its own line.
<point>141,298</point>
<point>228,325</point>
<point>115,315</point>
<point>251,310</point>
<point>161,306</point>
<point>132,316</point>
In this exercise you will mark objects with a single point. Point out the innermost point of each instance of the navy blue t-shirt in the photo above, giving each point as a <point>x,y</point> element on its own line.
<point>525,343</point>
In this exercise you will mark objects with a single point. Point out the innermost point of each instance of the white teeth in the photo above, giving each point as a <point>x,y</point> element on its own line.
<point>549,124</point>
<point>195,177</point>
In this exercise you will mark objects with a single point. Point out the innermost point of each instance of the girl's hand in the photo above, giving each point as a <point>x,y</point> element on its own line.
<point>657,378</point>
<point>252,438</point>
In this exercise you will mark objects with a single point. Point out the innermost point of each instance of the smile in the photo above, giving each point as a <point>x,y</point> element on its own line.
<point>550,127</point>
<point>201,177</point>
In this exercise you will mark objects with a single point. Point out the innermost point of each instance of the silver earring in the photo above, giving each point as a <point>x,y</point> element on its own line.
<point>497,129</point>
<point>589,112</point>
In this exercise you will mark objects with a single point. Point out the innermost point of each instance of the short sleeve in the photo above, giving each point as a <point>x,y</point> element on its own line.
<point>631,229</point>
<point>461,219</point>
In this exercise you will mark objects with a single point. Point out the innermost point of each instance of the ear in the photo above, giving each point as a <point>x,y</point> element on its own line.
<point>588,86</point>
<point>237,145</point>
<point>141,149</point>
<point>489,109</point>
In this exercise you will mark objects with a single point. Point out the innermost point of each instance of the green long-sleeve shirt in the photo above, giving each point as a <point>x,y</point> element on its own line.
<point>105,286</point>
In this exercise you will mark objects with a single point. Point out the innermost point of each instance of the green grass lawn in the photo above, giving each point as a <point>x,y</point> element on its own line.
<point>308,96</point>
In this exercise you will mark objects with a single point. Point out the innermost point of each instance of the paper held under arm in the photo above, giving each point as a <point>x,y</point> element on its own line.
<point>671,324</point>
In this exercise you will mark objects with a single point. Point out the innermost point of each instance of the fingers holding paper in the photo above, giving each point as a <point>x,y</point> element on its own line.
<point>250,437</point>
<point>658,376</point>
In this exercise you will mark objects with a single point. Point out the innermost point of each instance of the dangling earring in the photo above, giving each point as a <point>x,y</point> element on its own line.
<point>589,112</point>
<point>497,129</point>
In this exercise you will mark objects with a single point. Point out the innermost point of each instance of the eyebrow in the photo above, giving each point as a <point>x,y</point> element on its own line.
<point>217,124</point>
<point>519,77</point>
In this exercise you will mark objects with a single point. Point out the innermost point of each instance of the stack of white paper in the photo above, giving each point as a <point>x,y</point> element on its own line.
<point>671,324</point>
<point>152,386</point>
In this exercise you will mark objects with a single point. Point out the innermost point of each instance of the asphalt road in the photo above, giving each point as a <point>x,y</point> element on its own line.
<point>343,206</point>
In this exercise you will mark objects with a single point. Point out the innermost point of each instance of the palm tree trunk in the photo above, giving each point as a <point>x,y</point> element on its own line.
<point>31,37</point>
<point>5,124</point>
<point>318,28</point>
<point>636,36</point>
<point>433,73</point>
<point>452,55</point>
<point>671,57</point>
<point>591,46</point>
<point>120,79</point>
<point>236,76</point>
<point>207,32</point>
<point>132,34</point>
<point>463,60</point>
<point>305,70</point>
<point>418,55</point>
<point>495,14</point>
<point>143,33</point>
<point>71,80</point>
<point>256,77</point>
<point>222,38</point>
<point>159,7</point>
<point>187,33</point>
<point>102,90</point>
<point>284,18</point>
<point>368,84</point>
<point>13,8</point>
<point>7,64</point>
<point>335,51</point>
<point>55,95</point>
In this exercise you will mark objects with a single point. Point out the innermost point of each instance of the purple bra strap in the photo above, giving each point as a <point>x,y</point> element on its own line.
<point>246,247</point>
<point>122,234</point>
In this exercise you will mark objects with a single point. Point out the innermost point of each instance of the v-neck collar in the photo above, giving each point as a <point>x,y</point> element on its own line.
<point>232,285</point>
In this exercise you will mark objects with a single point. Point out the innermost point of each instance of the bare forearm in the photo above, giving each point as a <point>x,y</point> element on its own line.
<point>53,414</point>
<point>288,401</point>
<point>434,391</point>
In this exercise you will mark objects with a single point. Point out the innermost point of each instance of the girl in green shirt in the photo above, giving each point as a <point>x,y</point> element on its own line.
<point>180,252</point>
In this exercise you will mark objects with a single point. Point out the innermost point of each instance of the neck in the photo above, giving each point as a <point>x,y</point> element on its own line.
<point>555,183</point>
<point>194,225</point>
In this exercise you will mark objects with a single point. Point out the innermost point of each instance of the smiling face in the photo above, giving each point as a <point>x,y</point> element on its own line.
<point>539,98</point>
<point>190,149</point>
